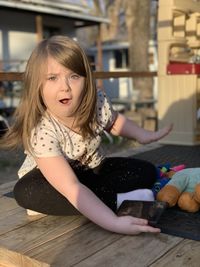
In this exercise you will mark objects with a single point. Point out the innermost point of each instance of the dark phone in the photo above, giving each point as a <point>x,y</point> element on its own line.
<point>149,210</point>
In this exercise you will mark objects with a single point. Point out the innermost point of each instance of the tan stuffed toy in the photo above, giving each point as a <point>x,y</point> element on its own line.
<point>183,189</point>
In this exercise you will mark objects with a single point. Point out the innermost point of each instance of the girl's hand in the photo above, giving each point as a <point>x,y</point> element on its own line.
<point>162,132</point>
<point>148,136</point>
<point>129,129</point>
<point>133,226</point>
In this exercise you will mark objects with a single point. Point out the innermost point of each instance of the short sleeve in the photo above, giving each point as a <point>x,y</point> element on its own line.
<point>45,142</point>
<point>106,115</point>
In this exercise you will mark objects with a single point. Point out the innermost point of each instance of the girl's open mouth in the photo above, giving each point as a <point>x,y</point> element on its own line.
<point>64,100</point>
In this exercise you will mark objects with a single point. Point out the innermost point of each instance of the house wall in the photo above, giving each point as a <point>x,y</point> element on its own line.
<point>115,88</point>
<point>18,36</point>
<point>111,85</point>
<point>122,88</point>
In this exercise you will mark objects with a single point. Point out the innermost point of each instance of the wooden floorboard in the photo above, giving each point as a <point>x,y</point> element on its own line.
<point>12,216</point>
<point>39,232</point>
<point>75,246</point>
<point>7,187</point>
<point>135,251</point>
<point>185,254</point>
<point>74,241</point>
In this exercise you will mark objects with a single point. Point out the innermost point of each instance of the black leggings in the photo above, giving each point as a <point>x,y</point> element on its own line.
<point>114,175</point>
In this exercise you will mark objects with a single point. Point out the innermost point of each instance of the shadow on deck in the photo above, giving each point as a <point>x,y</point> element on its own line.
<point>173,154</point>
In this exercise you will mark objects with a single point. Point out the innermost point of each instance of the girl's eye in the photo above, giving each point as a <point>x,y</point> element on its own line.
<point>74,77</point>
<point>51,78</point>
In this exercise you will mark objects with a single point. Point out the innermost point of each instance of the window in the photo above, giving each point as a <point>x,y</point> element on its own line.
<point>121,58</point>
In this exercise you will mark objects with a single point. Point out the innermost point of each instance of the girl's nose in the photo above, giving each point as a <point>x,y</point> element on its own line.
<point>66,85</point>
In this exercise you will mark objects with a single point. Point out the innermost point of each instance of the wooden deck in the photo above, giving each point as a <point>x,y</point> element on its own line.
<point>75,241</point>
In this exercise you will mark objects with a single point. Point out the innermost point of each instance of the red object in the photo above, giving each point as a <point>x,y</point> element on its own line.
<point>178,168</point>
<point>183,68</point>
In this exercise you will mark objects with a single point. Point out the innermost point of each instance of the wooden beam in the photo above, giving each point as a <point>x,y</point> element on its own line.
<point>17,76</point>
<point>11,76</point>
<point>119,74</point>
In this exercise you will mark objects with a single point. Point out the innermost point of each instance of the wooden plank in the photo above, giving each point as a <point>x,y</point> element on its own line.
<point>137,251</point>
<point>12,216</point>
<point>7,204</point>
<point>183,255</point>
<point>10,258</point>
<point>11,76</point>
<point>40,232</point>
<point>7,187</point>
<point>79,243</point>
<point>74,246</point>
<point>119,74</point>
<point>90,245</point>
<point>187,6</point>
<point>15,220</point>
<point>18,76</point>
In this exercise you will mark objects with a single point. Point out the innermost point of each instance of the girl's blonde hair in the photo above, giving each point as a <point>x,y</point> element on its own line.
<point>68,53</point>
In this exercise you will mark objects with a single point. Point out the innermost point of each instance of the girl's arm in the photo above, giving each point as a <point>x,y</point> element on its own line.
<point>61,176</point>
<point>127,128</point>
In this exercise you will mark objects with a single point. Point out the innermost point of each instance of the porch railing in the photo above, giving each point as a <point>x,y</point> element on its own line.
<point>17,76</point>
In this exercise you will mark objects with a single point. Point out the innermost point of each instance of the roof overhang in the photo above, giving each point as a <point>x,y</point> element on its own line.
<point>56,10</point>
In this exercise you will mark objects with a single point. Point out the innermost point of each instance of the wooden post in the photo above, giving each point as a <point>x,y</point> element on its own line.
<point>39,28</point>
<point>99,56</point>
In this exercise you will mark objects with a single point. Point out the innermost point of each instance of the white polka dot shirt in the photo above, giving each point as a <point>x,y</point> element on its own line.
<point>51,138</point>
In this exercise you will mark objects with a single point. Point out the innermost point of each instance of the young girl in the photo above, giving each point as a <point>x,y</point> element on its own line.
<point>60,122</point>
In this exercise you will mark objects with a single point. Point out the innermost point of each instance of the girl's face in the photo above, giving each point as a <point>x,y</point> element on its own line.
<point>62,91</point>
